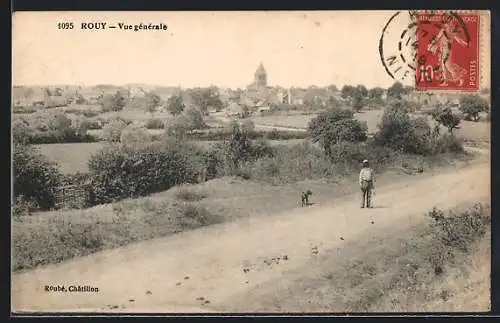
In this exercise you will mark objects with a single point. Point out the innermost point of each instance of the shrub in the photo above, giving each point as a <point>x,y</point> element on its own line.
<point>92,124</point>
<point>189,195</point>
<point>20,131</point>
<point>291,163</point>
<point>53,137</point>
<point>194,118</point>
<point>135,136</point>
<point>114,102</point>
<point>155,124</point>
<point>460,230</point>
<point>334,126</point>
<point>445,117</point>
<point>89,113</point>
<point>23,206</point>
<point>59,122</point>
<point>446,144</point>
<point>112,131</point>
<point>401,133</point>
<point>35,178</point>
<point>175,105</point>
<point>24,109</point>
<point>472,105</point>
<point>248,125</point>
<point>347,156</point>
<point>119,172</point>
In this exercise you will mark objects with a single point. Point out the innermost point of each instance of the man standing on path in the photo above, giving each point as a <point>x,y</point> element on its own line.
<point>366,180</point>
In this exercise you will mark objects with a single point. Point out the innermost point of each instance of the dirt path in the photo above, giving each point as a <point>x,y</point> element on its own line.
<point>202,270</point>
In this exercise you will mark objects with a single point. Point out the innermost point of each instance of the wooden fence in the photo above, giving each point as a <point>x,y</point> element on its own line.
<point>73,196</point>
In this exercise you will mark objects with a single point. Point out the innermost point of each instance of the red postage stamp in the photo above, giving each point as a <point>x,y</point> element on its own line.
<point>447,51</point>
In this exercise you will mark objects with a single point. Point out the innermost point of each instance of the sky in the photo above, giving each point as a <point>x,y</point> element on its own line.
<point>201,48</point>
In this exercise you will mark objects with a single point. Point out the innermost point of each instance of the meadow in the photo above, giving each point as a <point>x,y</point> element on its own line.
<point>469,130</point>
<point>73,157</point>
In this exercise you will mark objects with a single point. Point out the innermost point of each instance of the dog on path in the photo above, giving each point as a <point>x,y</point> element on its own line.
<point>305,197</point>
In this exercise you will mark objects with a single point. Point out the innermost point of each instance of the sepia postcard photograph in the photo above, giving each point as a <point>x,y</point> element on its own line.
<point>251,162</point>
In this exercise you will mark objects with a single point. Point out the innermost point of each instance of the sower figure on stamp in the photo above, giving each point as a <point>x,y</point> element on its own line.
<point>366,181</point>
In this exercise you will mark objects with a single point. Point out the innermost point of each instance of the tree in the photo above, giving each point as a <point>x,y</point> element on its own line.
<point>112,131</point>
<point>177,126</point>
<point>58,91</point>
<point>396,91</point>
<point>194,118</point>
<point>206,98</point>
<point>21,130</point>
<point>35,177</point>
<point>358,101</point>
<point>152,101</point>
<point>175,105</point>
<point>375,93</point>
<point>134,136</point>
<point>347,91</point>
<point>332,88</point>
<point>114,102</point>
<point>59,121</point>
<point>361,90</point>
<point>333,102</point>
<point>445,117</point>
<point>396,129</point>
<point>472,105</point>
<point>239,146</point>
<point>336,125</point>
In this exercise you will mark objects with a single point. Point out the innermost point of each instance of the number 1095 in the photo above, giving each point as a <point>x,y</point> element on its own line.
<point>65,25</point>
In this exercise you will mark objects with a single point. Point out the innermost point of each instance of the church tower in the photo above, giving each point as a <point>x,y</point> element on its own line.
<point>260,76</point>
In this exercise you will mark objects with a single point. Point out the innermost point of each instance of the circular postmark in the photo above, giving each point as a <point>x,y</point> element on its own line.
<point>397,46</point>
<point>415,46</point>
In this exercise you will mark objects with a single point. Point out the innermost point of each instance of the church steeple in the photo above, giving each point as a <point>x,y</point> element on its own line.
<point>260,75</point>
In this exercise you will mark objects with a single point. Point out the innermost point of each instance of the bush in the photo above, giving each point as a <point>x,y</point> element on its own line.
<point>336,125</point>
<point>20,131</point>
<point>472,105</point>
<point>460,230</point>
<point>114,102</point>
<point>47,128</point>
<point>135,136</point>
<point>112,131</point>
<point>189,195</point>
<point>35,178</point>
<point>119,172</point>
<point>155,124</point>
<point>89,113</point>
<point>23,206</point>
<point>447,144</point>
<point>415,136</point>
<point>445,117</point>
<point>347,156</point>
<point>24,109</point>
<point>291,163</point>
<point>55,137</point>
<point>92,124</point>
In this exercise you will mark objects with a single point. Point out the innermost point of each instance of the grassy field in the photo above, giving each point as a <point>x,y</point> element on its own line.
<point>294,121</point>
<point>73,157</point>
<point>471,131</point>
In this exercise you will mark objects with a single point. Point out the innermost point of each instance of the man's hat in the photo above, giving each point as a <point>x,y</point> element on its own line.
<point>365,161</point>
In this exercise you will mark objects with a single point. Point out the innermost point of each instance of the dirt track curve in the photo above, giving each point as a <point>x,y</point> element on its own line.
<point>202,270</point>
